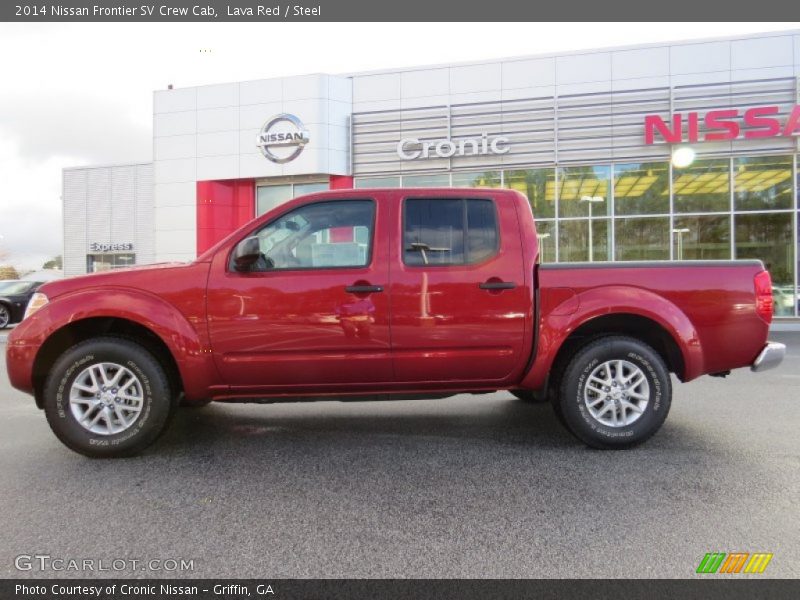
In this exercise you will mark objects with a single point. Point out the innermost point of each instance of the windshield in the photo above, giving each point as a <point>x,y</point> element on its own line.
<point>15,287</point>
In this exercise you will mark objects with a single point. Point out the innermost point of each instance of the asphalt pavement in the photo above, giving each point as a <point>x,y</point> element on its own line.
<point>472,486</point>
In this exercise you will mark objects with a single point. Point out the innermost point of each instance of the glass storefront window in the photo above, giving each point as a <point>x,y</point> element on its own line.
<point>546,234</point>
<point>584,191</point>
<point>377,182</point>
<point>480,179</point>
<point>641,189</point>
<point>702,237</point>
<point>301,189</point>
<point>578,243</point>
<point>429,180</point>
<point>539,186</point>
<point>270,196</point>
<point>96,263</point>
<point>703,186</point>
<point>762,183</point>
<point>644,238</point>
<point>768,237</point>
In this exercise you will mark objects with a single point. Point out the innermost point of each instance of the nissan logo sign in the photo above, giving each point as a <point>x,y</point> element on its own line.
<point>282,138</point>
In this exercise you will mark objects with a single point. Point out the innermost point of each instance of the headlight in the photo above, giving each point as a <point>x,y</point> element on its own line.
<point>37,301</point>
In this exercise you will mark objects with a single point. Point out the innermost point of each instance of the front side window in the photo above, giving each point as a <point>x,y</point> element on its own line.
<point>316,236</point>
<point>449,231</point>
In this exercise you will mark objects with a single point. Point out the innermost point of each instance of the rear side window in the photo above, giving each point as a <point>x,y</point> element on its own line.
<point>449,231</point>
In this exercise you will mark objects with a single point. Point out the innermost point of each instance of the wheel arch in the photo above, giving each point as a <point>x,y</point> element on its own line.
<point>639,327</point>
<point>64,338</point>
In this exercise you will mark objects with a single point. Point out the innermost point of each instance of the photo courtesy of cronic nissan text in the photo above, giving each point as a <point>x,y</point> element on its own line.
<point>366,300</point>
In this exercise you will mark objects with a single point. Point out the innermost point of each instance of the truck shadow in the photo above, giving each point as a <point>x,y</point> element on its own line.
<point>334,426</point>
<point>508,421</point>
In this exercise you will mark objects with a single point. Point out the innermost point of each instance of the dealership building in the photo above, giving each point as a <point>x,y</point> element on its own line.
<point>668,151</point>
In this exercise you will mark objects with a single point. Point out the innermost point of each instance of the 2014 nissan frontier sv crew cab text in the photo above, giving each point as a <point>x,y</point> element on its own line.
<point>365,294</point>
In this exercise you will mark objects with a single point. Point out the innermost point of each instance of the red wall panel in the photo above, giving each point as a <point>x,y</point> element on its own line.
<point>341,182</point>
<point>222,207</point>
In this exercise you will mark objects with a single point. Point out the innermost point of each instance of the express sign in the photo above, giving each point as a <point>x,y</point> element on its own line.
<point>721,125</point>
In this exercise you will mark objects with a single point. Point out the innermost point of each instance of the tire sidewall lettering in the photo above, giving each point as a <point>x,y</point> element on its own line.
<point>579,393</point>
<point>61,398</point>
<point>656,404</point>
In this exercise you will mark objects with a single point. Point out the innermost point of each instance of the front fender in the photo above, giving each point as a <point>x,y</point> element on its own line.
<point>187,341</point>
<point>559,323</point>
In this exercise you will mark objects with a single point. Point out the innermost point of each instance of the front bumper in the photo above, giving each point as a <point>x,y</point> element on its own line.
<point>770,357</point>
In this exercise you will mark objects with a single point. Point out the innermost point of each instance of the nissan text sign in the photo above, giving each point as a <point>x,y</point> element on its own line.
<point>722,125</point>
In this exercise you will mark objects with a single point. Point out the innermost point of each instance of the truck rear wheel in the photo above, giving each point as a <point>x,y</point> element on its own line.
<point>615,393</point>
<point>108,397</point>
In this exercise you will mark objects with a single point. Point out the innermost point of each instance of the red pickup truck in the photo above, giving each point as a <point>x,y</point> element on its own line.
<point>393,293</point>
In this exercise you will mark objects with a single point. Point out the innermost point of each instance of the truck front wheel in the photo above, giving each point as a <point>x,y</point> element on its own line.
<point>615,393</point>
<point>108,397</point>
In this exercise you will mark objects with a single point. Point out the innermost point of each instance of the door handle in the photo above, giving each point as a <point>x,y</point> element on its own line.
<point>363,289</point>
<point>497,285</point>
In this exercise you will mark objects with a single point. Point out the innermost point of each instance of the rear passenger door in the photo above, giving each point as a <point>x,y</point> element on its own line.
<point>458,296</point>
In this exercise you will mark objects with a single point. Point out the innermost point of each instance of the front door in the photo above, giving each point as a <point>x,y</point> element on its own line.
<point>313,312</point>
<point>459,293</point>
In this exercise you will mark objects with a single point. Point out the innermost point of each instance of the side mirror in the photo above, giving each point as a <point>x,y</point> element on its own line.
<point>247,252</point>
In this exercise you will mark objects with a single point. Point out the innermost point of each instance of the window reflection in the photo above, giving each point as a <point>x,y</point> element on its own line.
<point>642,238</point>
<point>546,234</point>
<point>482,179</point>
<point>578,243</point>
<point>319,235</point>
<point>539,186</point>
<point>377,182</point>
<point>702,187</point>
<point>270,196</point>
<point>641,189</point>
<point>429,180</point>
<point>762,182</point>
<point>449,231</point>
<point>584,191</point>
<point>301,189</point>
<point>702,238</point>
<point>769,237</point>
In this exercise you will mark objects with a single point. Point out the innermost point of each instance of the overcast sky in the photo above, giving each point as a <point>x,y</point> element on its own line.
<point>81,94</point>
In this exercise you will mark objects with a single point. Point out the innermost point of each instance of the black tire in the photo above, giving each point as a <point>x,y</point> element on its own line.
<point>574,409</point>
<point>183,403</point>
<point>5,316</point>
<point>528,396</point>
<point>158,403</point>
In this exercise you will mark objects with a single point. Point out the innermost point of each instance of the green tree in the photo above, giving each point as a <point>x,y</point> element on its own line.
<point>53,263</point>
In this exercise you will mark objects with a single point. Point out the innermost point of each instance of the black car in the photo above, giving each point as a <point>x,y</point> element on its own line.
<point>14,298</point>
